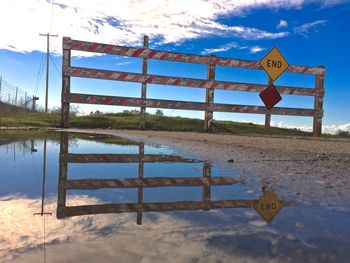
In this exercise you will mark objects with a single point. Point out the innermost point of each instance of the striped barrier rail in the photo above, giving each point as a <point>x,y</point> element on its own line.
<point>123,158</point>
<point>152,207</point>
<point>71,44</point>
<point>148,182</point>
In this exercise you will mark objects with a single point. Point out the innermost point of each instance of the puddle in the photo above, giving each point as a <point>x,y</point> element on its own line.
<point>102,201</point>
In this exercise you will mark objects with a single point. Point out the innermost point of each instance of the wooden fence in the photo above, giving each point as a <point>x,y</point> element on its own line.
<point>210,84</point>
<point>205,182</point>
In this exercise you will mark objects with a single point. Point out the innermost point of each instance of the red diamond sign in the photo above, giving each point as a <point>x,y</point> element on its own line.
<point>270,96</point>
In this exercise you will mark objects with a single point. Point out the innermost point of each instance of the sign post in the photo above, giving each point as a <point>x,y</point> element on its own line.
<point>274,65</point>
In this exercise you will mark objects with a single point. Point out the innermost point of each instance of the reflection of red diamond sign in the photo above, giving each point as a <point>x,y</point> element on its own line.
<point>270,96</point>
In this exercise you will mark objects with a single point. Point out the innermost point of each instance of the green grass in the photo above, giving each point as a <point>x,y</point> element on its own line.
<point>131,121</point>
<point>18,134</point>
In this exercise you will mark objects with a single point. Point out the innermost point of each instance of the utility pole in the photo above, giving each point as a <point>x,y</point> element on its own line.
<point>47,66</point>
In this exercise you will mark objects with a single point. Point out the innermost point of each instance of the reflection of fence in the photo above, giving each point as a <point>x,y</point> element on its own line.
<point>11,94</point>
<point>206,181</point>
<point>210,84</point>
<point>17,148</point>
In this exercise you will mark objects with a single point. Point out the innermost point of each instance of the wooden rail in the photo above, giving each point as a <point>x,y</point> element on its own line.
<point>210,84</point>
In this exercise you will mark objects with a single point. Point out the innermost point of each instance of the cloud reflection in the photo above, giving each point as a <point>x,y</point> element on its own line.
<point>102,238</point>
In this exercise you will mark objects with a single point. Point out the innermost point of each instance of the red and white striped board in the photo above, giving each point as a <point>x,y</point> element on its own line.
<point>184,105</point>
<point>78,45</point>
<point>176,81</point>
<point>149,182</point>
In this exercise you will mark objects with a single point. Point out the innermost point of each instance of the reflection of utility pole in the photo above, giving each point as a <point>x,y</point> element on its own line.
<point>14,151</point>
<point>43,184</point>
<point>47,66</point>
<point>42,213</point>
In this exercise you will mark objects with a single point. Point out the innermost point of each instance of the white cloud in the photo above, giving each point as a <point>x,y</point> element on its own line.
<point>222,48</point>
<point>256,49</point>
<point>330,129</point>
<point>281,24</point>
<point>304,29</point>
<point>123,63</point>
<point>125,22</point>
<point>115,235</point>
<point>329,3</point>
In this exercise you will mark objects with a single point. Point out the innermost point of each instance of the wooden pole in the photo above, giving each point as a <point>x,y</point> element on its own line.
<point>16,95</point>
<point>47,66</point>
<point>62,176</point>
<point>209,98</point>
<point>140,190</point>
<point>206,192</point>
<point>144,86</point>
<point>0,88</point>
<point>318,106</point>
<point>65,86</point>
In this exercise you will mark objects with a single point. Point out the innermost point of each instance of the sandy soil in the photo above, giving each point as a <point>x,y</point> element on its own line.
<point>310,170</point>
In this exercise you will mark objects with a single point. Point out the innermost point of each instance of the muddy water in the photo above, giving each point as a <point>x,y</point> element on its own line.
<point>71,200</point>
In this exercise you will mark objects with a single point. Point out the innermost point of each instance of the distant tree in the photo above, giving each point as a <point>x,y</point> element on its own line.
<point>343,133</point>
<point>74,110</point>
<point>55,109</point>
<point>159,113</point>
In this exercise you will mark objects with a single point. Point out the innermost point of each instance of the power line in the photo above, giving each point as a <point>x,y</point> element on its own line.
<point>40,71</point>
<point>55,66</point>
<point>51,19</point>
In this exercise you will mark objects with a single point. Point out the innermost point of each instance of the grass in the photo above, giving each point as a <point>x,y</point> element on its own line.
<point>7,136</point>
<point>131,121</point>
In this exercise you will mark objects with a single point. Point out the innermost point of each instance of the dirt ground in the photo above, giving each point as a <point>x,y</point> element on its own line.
<point>313,171</point>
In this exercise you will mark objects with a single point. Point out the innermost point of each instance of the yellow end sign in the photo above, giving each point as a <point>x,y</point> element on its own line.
<point>274,63</point>
<point>268,206</point>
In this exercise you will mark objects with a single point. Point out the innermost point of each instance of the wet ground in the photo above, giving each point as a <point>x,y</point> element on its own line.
<point>71,199</point>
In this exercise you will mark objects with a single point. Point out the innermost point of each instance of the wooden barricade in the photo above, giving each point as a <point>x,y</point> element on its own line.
<point>206,181</point>
<point>210,84</point>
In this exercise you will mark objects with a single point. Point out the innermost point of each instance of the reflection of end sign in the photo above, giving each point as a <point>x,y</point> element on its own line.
<point>274,63</point>
<point>268,206</point>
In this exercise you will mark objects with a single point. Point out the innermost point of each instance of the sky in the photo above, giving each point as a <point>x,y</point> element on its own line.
<point>309,33</point>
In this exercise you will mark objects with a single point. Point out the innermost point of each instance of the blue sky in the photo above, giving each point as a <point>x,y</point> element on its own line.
<point>306,32</point>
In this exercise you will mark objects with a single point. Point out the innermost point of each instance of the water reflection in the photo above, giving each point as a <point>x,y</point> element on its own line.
<point>220,221</point>
<point>267,206</point>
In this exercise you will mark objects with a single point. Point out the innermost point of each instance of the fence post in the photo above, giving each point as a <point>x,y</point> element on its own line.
<point>140,190</point>
<point>318,106</point>
<point>209,98</point>
<point>16,95</point>
<point>268,115</point>
<point>25,100</point>
<point>33,103</point>
<point>65,85</point>
<point>0,88</point>
<point>62,175</point>
<point>144,86</point>
<point>206,192</point>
